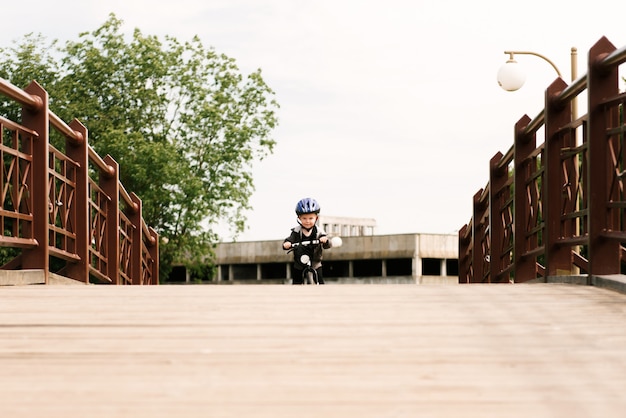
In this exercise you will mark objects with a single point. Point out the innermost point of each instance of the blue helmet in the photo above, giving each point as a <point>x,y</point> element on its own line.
<point>307,205</point>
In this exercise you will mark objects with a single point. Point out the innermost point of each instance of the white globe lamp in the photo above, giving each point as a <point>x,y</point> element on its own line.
<point>511,77</point>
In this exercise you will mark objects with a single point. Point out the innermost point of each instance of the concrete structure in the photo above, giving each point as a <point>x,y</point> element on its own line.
<point>34,277</point>
<point>347,227</point>
<point>404,258</point>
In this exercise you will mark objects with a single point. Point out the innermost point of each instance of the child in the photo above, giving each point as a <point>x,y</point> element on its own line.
<point>307,211</point>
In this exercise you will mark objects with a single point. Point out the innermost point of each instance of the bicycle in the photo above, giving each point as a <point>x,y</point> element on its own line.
<point>309,275</point>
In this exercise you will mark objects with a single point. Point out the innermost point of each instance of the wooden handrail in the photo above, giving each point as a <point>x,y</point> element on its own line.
<point>62,127</point>
<point>104,167</point>
<point>20,96</point>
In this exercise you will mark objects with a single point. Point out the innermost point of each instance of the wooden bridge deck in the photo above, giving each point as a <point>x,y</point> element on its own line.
<point>540,350</point>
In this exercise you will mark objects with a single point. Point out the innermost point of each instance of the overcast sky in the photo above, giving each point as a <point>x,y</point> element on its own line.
<point>392,105</point>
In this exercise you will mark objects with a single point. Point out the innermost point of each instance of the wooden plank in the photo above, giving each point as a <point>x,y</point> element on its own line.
<point>536,350</point>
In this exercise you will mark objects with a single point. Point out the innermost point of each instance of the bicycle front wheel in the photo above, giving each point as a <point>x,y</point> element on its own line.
<point>309,276</point>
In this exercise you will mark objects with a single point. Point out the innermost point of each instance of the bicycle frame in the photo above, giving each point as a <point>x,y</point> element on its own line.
<point>309,275</point>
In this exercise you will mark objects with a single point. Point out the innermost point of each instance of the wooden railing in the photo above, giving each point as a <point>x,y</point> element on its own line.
<point>68,206</point>
<point>557,208</point>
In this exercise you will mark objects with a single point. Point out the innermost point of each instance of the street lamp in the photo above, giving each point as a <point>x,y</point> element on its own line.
<point>511,77</point>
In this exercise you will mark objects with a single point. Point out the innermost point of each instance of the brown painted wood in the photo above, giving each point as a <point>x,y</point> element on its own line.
<point>523,350</point>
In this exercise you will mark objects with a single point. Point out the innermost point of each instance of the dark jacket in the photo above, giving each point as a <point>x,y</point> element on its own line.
<point>314,251</point>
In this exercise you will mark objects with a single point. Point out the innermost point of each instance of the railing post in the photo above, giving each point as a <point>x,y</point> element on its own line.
<point>153,250</point>
<point>524,146</point>
<point>464,262</point>
<point>38,120</point>
<point>604,254</point>
<point>111,186</point>
<point>136,257</point>
<point>497,180</point>
<point>478,232</point>
<point>559,258</point>
<point>79,152</point>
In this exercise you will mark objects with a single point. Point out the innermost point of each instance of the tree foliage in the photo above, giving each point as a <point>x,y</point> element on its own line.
<point>184,124</point>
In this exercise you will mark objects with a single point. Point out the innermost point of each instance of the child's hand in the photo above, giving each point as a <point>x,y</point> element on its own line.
<point>286,245</point>
<point>324,240</point>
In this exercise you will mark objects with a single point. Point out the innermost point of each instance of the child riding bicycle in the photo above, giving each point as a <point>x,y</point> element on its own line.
<point>307,229</point>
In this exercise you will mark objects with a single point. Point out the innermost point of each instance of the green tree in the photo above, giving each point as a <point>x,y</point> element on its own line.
<point>184,124</point>
<point>28,60</point>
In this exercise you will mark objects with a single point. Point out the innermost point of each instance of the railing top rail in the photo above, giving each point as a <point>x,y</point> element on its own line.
<point>62,127</point>
<point>150,240</point>
<point>573,90</point>
<point>506,158</point>
<point>127,199</point>
<point>615,58</point>
<point>535,124</point>
<point>35,102</point>
<point>93,155</point>
<point>19,95</point>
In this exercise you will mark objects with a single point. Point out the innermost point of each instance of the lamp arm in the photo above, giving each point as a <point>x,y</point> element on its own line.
<point>511,53</point>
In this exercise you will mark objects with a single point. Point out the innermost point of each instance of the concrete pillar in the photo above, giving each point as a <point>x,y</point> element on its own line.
<point>416,268</point>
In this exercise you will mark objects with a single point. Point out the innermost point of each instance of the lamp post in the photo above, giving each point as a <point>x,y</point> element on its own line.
<point>512,78</point>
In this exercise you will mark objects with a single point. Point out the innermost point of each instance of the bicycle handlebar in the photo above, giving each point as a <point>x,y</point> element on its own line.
<point>305,243</point>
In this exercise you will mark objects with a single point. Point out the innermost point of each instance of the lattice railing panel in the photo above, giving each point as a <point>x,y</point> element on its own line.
<point>98,257</point>
<point>16,217</point>
<point>126,248</point>
<point>61,198</point>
